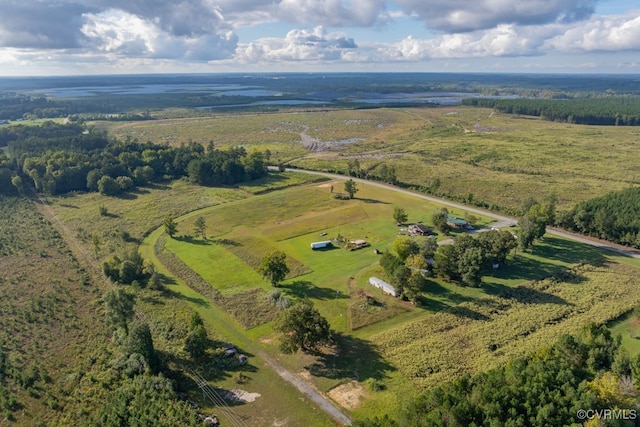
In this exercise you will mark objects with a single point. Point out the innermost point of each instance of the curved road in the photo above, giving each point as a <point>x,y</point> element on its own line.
<point>502,220</point>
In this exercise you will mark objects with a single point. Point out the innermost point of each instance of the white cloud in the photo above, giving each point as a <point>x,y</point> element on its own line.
<point>466,15</point>
<point>124,34</point>
<point>607,33</point>
<point>298,45</point>
<point>336,13</point>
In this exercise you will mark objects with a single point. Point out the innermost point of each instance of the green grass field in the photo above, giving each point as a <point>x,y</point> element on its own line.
<point>511,314</point>
<point>459,329</point>
<point>498,159</point>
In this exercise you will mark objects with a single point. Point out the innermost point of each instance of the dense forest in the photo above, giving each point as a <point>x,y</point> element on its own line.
<point>614,216</point>
<point>62,158</point>
<point>610,111</point>
<point>550,388</point>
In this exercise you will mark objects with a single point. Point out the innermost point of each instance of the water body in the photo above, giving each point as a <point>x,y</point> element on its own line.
<point>312,88</point>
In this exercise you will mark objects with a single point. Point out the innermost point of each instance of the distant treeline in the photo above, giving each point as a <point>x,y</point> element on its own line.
<point>62,158</point>
<point>614,216</point>
<point>554,387</point>
<point>609,111</point>
<point>15,106</point>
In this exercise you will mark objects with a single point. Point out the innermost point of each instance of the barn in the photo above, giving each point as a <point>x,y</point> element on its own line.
<point>384,286</point>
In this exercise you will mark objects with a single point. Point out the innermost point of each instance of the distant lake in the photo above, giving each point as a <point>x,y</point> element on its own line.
<point>209,91</point>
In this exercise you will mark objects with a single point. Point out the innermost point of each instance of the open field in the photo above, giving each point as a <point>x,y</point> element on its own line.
<point>48,326</point>
<point>459,329</point>
<point>457,152</point>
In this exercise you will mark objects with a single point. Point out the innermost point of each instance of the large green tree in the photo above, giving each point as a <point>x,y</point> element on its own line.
<point>470,266</point>
<point>439,220</point>
<point>446,262</point>
<point>170,226</point>
<point>139,341</point>
<point>404,246</point>
<point>118,306</point>
<point>302,327</point>
<point>351,188</point>
<point>200,227</point>
<point>274,268</point>
<point>400,215</point>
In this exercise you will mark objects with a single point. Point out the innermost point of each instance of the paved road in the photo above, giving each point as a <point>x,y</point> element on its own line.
<point>502,220</point>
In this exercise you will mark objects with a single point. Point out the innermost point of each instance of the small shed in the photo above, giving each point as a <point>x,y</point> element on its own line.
<point>384,286</point>
<point>320,245</point>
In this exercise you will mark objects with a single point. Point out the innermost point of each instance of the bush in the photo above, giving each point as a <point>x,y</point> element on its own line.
<point>108,186</point>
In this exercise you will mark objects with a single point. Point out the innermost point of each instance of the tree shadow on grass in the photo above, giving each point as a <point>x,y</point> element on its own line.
<point>169,293</point>
<point>225,242</point>
<point>304,289</point>
<point>569,251</point>
<point>525,268</point>
<point>373,201</point>
<point>466,312</point>
<point>127,195</point>
<point>524,294</point>
<point>155,186</point>
<point>193,240</point>
<point>431,304</point>
<point>436,289</point>
<point>354,358</point>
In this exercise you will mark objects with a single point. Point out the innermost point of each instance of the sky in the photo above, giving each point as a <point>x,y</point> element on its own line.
<point>78,37</point>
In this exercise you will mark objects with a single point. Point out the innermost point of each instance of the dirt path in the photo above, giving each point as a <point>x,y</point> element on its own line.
<point>226,326</point>
<point>323,403</point>
<point>503,220</point>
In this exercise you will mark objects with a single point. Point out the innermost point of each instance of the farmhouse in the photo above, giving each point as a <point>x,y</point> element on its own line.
<point>419,230</point>
<point>320,245</point>
<point>384,286</point>
<point>457,222</point>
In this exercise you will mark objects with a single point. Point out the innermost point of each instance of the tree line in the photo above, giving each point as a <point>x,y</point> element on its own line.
<point>549,388</point>
<point>63,158</point>
<point>609,111</point>
<point>614,216</point>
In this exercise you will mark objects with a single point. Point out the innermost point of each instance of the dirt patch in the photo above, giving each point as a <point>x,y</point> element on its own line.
<point>348,395</point>
<point>238,395</point>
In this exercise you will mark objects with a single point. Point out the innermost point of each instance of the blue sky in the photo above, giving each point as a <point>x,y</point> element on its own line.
<point>147,36</point>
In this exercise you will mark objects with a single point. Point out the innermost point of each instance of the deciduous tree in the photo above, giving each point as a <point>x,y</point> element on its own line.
<point>170,226</point>
<point>351,188</point>
<point>439,220</point>
<point>404,246</point>
<point>273,267</point>
<point>139,341</point>
<point>302,327</point>
<point>400,215</point>
<point>200,227</point>
<point>118,305</point>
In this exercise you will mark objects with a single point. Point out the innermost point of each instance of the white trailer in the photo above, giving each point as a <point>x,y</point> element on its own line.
<point>384,286</point>
<point>320,245</point>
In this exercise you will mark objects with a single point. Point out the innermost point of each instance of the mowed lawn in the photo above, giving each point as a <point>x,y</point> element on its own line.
<point>240,233</point>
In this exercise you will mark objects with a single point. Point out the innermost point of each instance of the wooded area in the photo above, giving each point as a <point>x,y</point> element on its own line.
<point>609,111</point>
<point>589,372</point>
<point>614,216</point>
<point>64,158</point>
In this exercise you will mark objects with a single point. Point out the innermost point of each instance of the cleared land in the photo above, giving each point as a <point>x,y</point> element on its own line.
<point>498,159</point>
<point>529,303</point>
<point>169,312</point>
